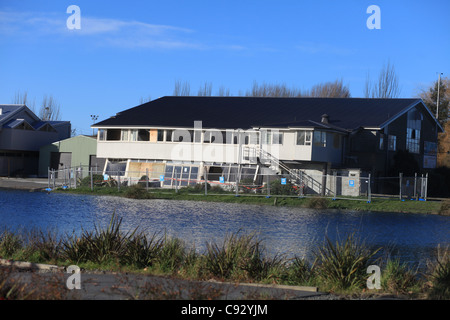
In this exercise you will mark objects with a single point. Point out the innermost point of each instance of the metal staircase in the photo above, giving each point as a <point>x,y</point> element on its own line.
<point>296,176</point>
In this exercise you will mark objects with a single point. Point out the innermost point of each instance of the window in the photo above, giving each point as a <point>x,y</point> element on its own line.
<point>392,143</point>
<point>267,137</point>
<point>413,127</point>
<point>304,138</point>
<point>169,135</point>
<point>113,134</point>
<point>143,135</point>
<point>207,136</point>
<point>381,145</point>
<point>277,138</point>
<point>125,134</point>
<point>160,135</point>
<point>182,135</point>
<point>320,138</point>
<point>133,135</point>
<point>214,136</point>
<point>102,135</point>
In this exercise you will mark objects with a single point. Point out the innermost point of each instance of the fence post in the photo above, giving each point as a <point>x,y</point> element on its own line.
<point>146,180</point>
<point>415,186</point>
<point>400,177</point>
<point>268,186</point>
<point>426,186</point>
<point>369,190</point>
<point>237,183</point>
<point>335,184</point>
<point>92,179</point>
<point>65,176</point>
<point>118,180</point>
<point>176,180</point>
<point>49,177</point>
<point>206,181</point>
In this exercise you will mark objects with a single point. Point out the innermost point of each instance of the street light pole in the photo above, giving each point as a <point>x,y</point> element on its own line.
<point>94,118</point>
<point>437,102</point>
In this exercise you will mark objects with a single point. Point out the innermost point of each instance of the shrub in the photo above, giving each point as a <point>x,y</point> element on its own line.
<point>96,179</point>
<point>100,245</point>
<point>240,256</point>
<point>398,277</point>
<point>137,191</point>
<point>302,272</point>
<point>277,188</point>
<point>142,251</point>
<point>317,203</point>
<point>10,243</point>
<point>439,276</point>
<point>342,265</point>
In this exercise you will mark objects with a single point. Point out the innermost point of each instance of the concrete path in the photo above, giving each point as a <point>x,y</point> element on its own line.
<point>31,184</point>
<point>47,280</point>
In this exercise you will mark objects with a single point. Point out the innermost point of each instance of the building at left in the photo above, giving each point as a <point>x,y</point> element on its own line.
<point>22,133</point>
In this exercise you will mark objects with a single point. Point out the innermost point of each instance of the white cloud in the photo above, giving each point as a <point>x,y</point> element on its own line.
<point>103,31</point>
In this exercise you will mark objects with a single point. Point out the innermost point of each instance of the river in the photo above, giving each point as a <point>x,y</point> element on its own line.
<point>290,231</point>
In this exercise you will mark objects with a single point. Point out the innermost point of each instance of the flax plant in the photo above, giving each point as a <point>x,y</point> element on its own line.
<point>342,265</point>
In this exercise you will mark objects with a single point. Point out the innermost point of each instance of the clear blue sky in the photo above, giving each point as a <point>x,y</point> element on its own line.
<point>128,50</point>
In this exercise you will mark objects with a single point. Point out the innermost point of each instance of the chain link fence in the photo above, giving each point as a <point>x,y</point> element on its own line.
<point>243,180</point>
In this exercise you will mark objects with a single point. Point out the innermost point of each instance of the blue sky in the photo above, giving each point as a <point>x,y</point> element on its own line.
<point>128,50</point>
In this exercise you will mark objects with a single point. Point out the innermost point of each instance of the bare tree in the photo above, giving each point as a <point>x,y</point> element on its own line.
<point>182,88</point>
<point>50,109</point>
<point>223,92</point>
<point>335,89</point>
<point>205,90</point>
<point>143,100</point>
<point>22,98</point>
<point>272,90</point>
<point>387,85</point>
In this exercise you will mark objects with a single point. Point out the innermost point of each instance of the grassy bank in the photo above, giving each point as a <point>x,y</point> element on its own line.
<point>217,195</point>
<point>338,267</point>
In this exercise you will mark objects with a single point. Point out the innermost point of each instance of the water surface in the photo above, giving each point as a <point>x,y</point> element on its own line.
<point>292,231</point>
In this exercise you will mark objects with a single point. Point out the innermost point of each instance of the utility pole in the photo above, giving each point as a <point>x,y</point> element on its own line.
<point>437,102</point>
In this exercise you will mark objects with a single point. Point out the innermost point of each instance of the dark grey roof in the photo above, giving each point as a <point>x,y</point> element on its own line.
<point>247,112</point>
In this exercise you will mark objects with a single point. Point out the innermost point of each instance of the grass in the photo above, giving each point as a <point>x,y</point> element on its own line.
<point>337,266</point>
<point>215,195</point>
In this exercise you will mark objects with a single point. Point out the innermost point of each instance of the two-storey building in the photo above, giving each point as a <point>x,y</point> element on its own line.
<point>194,136</point>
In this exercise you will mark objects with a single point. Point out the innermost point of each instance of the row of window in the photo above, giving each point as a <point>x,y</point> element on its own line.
<point>168,135</point>
<point>317,138</point>
<point>412,141</point>
<point>304,137</point>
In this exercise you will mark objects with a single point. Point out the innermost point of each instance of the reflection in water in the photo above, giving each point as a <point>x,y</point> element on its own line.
<point>292,231</point>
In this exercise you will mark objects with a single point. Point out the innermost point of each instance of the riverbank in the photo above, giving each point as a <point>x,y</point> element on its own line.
<point>357,204</point>
<point>381,204</point>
